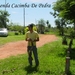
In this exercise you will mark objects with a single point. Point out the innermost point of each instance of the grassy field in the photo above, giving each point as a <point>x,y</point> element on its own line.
<point>13,38</point>
<point>51,57</point>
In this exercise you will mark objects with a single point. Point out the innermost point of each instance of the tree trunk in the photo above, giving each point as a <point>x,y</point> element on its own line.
<point>74,31</point>
<point>74,26</point>
<point>70,44</point>
<point>62,30</point>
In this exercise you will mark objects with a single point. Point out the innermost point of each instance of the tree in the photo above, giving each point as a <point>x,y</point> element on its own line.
<point>4,18</point>
<point>57,23</point>
<point>48,25</point>
<point>41,26</point>
<point>34,28</point>
<point>66,10</point>
<point>17,28</point>
<point>60,23</point>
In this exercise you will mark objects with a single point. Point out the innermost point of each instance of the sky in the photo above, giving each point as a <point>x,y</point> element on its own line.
<point>34,11</point>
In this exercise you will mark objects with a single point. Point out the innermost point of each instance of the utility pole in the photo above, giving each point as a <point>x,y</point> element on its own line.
<point>5,12</point>
<point>24,17</point>
<point>5,5</point>
<point>24,20</point>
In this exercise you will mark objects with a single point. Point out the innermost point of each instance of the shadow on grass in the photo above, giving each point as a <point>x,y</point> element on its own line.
<point>72,54</point>
<point>31,70</point>
<point>69,73</point>
<point>63,54</point>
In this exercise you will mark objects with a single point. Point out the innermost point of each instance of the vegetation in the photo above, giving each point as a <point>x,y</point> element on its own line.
<point>64,9</point>
<point>4,18</point>
<point>41,26</point>
<point>60,24</point>
<point>12,38</point>
<point>51,57</point>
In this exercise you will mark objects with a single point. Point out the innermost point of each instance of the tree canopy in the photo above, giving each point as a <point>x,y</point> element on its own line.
<point>4,18</point>
<point>65,9</point>
<point>41,26</point>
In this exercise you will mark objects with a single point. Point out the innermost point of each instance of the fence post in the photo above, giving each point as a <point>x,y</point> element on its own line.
<point>67,66</point>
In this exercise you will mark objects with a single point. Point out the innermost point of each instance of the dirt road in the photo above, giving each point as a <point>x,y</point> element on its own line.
<point>20,47</point>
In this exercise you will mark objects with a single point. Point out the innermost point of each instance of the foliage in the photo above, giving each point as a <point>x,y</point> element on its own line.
<point>4,18</point>
<point>16,33</point>
<point>65,9</point>
<point>51,57</point>
<point>72,33</point>
<point>47,29</point>
<point>11,38</point>
<point>64,41</point>
<point>41,26</point>
<point>14,27</point>
<point>57,23</point>
<point>48,24</point>
<point>34,28</point>
<point>60,23</point>
<point>41,22</point>
<point>26,29</point>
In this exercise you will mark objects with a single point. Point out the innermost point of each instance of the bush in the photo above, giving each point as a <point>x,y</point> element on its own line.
<point>16,33</point>
<point>64,41</point>
<point>72,34</point>
<point>47,29</point>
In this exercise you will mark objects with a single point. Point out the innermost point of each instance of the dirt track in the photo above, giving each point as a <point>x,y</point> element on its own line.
<point>20,47</point>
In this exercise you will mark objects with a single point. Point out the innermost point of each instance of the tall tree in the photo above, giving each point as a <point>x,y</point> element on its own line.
<point>60,23</point>
<point>41,26</point>
<point>57,23</point>
<point>65,9</point>
<point>48,24</point>
<point>4,18</point>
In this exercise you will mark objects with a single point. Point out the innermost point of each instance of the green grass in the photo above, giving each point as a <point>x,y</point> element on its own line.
<point>51,57</point>
<point>12,38</point>
<point>53,31</point>
<point>4,40</point>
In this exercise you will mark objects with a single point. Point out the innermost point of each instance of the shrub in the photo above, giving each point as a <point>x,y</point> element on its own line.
<point>16,33</point>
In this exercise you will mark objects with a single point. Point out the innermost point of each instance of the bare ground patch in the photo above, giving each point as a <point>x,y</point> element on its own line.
<point>20,47</point>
